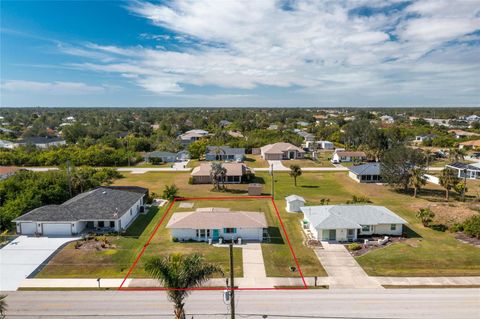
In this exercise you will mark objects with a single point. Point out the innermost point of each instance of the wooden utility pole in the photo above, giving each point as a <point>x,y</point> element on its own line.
<point>69,178</point>
<point>232,284</point>
<point>273,181</point>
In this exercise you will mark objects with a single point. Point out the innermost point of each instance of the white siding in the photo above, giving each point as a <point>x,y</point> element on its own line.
<point>129,216</point>
<point>294,206</point>
<point>385,229</point>
<point>353,176</point>
<point>244,233</point>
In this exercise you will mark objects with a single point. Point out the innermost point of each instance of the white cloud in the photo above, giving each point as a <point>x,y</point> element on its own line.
<point>54,88</point>
<point>318,46</point>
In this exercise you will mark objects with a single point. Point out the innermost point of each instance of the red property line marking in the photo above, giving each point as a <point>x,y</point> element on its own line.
<point>121,288</point>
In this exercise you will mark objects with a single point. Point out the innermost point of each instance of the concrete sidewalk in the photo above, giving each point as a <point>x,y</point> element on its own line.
<point>254,274</point>
<point>342,269</point>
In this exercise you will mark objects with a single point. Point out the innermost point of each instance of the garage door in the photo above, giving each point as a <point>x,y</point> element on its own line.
<point>57,230</point>
<point>28,228</point>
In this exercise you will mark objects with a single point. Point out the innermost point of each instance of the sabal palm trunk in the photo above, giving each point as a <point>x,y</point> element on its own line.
<point>447,195</point>
<point>179,311</point>
<point>295,181</point>
<point>414,192</point>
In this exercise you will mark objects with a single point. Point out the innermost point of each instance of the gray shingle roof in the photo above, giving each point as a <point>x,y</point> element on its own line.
<point>349,216</point>
<point>366,169</point>
<point>224,150</point>
<point>459,165</point>
<point>40,140</point>
<point>161,154</point>
<point>102,203</point>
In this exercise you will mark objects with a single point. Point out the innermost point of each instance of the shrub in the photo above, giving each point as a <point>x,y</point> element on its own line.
<point>457,227</point>
<point>354,246</point>
<point>471,226</point>
<point>175,239</point>
<point>170,192</point>
<point>190,180</point>
<point>426,216</point>
<point>359,199</point>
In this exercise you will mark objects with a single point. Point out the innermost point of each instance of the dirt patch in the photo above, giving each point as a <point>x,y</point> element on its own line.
<point>468,240</point>
<point>94,244</point>
<point>449,213</point>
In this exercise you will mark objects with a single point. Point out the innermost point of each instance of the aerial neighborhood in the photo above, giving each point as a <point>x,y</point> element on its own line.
<point>393,192</point>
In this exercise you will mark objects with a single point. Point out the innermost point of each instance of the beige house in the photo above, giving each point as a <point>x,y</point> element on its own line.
<point>213,223</point>
<point>235,173</point>
<point>281,151</point>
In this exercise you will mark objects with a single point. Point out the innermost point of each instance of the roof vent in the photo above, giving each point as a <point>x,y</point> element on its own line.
<point>104,192</point>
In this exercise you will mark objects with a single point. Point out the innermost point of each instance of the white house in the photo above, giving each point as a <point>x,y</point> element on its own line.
<point>192,136</point>
<point>214,223</point>
<point>365,173</point>
<point>472,171</point>
<point>294,203</point>
<point>348,156</point>
<point>326,145</point>
<point>347,222</point>
<point>42,141</point>
<point>8,144</point>
<point>101,209</point>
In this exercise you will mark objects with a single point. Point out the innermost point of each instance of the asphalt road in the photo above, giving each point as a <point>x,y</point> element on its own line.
<point>347,304</point>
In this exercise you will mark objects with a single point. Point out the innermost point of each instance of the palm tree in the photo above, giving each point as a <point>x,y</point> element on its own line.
<point>416,179</point>
<point>181,272</point>
<point>3,306</point>
<point>457,154</point>
<point>295,171</point>
<point>428,156</point>
<point>426,216</point>
<point>448,180</point>
<point>218,175</point>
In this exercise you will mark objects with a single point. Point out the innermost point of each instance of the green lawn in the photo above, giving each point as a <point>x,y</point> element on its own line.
<point>307,163</point>
<point>255,161</point>
<point>426,253</point>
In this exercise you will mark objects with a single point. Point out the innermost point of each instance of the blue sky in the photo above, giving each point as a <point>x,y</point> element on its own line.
<point>240,53</point>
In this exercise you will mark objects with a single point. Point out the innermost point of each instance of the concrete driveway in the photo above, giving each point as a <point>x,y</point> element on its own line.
<point>23,255</point>
<point>278,166</point>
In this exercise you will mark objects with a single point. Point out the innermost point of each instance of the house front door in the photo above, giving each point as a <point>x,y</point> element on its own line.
<point>291,155</point>
<point>332,234</point>
<point>215,234</point>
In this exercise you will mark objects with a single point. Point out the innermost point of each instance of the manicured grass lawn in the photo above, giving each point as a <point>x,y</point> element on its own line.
<point>162,165</point>
<point>307,163</point>
<point>156,182</point>
<point>255,161</point>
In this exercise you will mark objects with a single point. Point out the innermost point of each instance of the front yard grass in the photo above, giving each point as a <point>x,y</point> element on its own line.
<point>255,161</point>
<point>307,163</point>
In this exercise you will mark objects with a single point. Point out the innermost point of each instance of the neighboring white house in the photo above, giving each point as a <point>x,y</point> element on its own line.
<point>365,173</point>
<point>103,209</point>
<point>347,222</point>
<point>281,151</point>
<point>8,144</point>
<point>214,223</point>
<point>326,145</point>
<point>192,136</point>
<point>42,141</point>
<point>472,171</point>
<point>387,119</point>
<point>348,156</point>
<point>294,203</point>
